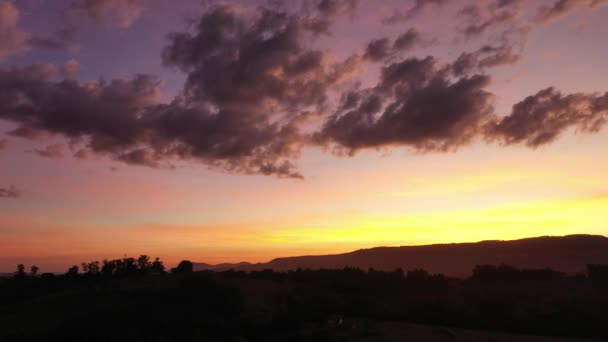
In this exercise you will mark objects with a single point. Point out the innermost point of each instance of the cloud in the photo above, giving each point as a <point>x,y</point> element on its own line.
<point>258,91</point>
<point>120,13</point>
<point>106,113</point>
<point>561,8</point>
<point>3,144</point>
<point>260,79</point>
<point>10,192</point>
<point>496,14</point>
<point>407,40</point>
<point>380,49</point>
<point>70,69</point>
<point>325,13</point>
<point>53,151</point>
<point>414,104</point>
<point>12,40</point>
<point>487,56</point>
<point>417,104</point>
<point>82,14</point>
<point>419,5</point>
<point>251,84</point>
<point>81,154</point>
<point>15,41</point>
<point>49,42</point>
<point>542,117</point>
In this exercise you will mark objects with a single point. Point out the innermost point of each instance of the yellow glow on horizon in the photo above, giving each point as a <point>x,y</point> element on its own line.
<point>324,234</point>
<point>552,217</point>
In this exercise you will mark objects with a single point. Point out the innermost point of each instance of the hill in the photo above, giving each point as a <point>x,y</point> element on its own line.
<point>569,254</point>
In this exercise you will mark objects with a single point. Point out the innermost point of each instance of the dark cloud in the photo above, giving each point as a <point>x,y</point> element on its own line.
<point>110,115</point>
<point>140,156</point>
<point>326,12</point>
<point>499,55</point>
<point>10,192</point>
<point>258,91</point>
<point>561,8</point>
<point>12,40</point>
<point>28,132</point>
<point>542,117</point>
<point>381,49</point>
<point>414,104</point>
<point>486,57</point>
<point>251,83</point>
<point>378,49</point>
<point>407,40</point>
<point>336,8</point>
<point>417,104</point>
<point>259,78</point>
<point>53,151</point>
<point>399,16</point>
<point>480,19</point>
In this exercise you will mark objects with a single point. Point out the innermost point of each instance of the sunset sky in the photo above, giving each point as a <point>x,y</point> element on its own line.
<point>244,131</point>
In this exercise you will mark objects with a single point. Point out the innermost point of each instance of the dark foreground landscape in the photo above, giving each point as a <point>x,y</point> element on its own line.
<point>136,299</point>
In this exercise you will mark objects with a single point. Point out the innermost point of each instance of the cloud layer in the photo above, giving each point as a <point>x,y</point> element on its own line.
<point>258,90</point>
<point>561,8</point>
<point>10,192</point>
<point>12,39</point>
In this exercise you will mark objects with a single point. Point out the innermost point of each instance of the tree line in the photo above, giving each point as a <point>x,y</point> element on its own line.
<point>139,299</point>
<point>123,267</point>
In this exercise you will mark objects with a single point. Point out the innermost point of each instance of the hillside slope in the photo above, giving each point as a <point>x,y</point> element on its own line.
<point>568,254</point>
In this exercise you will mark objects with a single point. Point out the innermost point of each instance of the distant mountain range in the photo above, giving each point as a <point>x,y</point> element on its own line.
<point>569,254</point>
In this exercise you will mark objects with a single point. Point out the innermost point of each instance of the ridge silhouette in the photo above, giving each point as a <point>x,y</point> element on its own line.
<point>569,254</point>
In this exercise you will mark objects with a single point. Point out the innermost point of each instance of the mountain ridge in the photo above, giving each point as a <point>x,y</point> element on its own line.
<point>569,254</point>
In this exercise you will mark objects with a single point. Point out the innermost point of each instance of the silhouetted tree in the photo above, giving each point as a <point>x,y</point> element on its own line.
<point>125,267</point>
<point>157,266</point>
<point>20,271</point>
<point>184,267</point>
<point>301,299</point>
<point>91,268</point>
<point>72,271</point>
<point>128,266</point>
<point>34,270</point>
<point>108,268</point>
<point>144,264</point>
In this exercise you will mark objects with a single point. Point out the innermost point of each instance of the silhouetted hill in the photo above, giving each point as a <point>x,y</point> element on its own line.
<point>201,266</point>
<point>568,254</point>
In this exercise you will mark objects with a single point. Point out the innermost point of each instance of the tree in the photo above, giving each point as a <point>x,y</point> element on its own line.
<point>72,271</point>
<point>20,271</point>
<point>143,263</point>
<point>157,266</point>
<point>108,268</point>
<point>184,267</point>
<point>128,266</point>
<point>91,268</point>
<point>34,270</point>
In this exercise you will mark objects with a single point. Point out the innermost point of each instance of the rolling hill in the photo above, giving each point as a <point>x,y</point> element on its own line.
<point>569,254</point>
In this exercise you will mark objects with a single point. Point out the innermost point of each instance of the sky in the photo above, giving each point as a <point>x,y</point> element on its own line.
<point>243,131</point>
